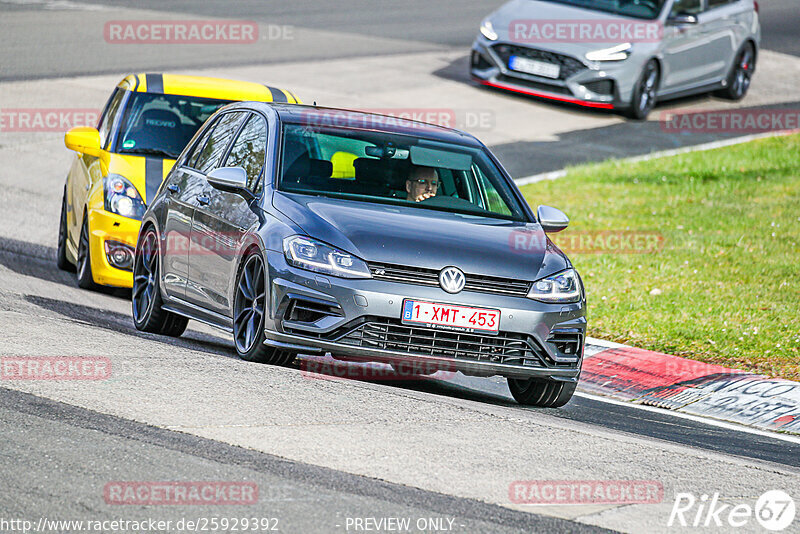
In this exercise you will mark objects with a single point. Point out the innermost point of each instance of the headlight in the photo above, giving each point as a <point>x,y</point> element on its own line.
<point>122,198</point>
<point>487,30</point>
<point>560,288</point>
<point>314,255</point>
<point>615,53</point>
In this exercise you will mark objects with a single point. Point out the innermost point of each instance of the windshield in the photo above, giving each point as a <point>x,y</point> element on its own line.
<point>162,125</point>
<point>388,168</point>
<point>640,9</point>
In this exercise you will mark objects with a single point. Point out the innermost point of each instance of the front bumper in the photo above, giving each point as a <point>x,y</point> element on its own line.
<point>360,320</point>
<point>601,86</point>
<point>106,226</point>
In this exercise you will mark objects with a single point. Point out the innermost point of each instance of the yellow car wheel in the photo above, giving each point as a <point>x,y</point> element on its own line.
<point>85,278</point>
<point>61,254</point>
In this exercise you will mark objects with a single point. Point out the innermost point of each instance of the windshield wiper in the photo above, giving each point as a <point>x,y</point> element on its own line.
<point>151,152</point>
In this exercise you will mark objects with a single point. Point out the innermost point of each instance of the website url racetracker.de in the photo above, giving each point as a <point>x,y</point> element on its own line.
<point>199,524</point>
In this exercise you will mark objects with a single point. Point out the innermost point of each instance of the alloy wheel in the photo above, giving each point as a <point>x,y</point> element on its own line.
<point>145,277</point>
<point>249,304</point>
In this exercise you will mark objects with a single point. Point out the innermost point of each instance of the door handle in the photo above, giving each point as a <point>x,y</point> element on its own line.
<point>203,200</point>
<point>172,188</point>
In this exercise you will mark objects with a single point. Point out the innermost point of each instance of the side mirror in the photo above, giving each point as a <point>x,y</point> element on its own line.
<point>552,219</point>
<point>84,140</point>
<point>230,179</point>
<point>681,19</point>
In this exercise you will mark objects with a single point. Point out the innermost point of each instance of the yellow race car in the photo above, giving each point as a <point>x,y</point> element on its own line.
<point>120,165</point>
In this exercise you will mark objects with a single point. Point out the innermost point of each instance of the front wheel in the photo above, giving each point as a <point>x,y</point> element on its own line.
<point>84,267</point>
<point>61,253</point>
<point>644,93</point>
<point>541,392</point>
<point>741,74</point>
<point>148,315</point>
<point>249,306</point>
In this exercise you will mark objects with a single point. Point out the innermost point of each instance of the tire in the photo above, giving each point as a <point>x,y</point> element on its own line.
<point>644,93</point>
<point>249,306</point>
<point>84,266</point>
<point>61,252</point>
<point>541,392</point>
<point>148,315</point>
<point>741,74</point>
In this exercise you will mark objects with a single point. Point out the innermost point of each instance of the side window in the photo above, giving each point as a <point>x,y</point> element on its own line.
<point>687,7</point>
<point>191,159</point>
<point>717,3</point>
<point>109,114</point>
<point>210,155</point>
<point>493,198</point>
<point>249,151</point>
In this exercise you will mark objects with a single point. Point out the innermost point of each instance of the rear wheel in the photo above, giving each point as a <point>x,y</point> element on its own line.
<point>61,253</point>
<point>644,93</point>
<point>541,392</point>
<point>249,306</point>
<point>84,267</point>
<point>740,75</point>
<point>148,315</point>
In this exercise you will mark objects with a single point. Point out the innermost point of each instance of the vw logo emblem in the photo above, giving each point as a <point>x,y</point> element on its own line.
<point>452,279</point>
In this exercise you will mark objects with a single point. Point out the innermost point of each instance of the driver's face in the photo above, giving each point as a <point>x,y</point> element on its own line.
<point>423,184</point>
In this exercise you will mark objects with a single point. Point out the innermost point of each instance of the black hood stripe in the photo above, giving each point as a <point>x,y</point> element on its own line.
<point>155,83</point>
<point>153,176</point>
<point>277,94</point>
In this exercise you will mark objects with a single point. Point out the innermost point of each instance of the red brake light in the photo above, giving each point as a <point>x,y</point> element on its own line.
<point>755,2</point>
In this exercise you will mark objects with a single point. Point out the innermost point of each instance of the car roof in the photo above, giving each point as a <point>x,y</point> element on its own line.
<point>345,118</point>
<point>205,87</point>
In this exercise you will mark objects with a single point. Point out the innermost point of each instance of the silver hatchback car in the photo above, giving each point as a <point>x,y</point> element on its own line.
<point>308,230</point>
<point>619,54</point>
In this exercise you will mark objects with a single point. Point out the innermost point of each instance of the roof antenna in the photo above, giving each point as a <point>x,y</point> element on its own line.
<point>315,103</point>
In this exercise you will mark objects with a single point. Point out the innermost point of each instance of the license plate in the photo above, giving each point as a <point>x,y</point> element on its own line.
<point>451,317</point>
<point>531,66</point>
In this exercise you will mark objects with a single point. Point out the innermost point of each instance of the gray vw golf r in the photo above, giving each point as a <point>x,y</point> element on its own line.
<point>308,230</point>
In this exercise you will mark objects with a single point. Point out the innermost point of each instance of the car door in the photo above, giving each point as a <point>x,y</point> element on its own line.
<point>202,244</point>
<point>724,22</point>
<point>221,225</point>
<point>688,53</point>
<point>182,190</point>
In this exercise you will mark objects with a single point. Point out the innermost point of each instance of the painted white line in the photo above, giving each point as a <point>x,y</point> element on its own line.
<point>705,420</point>
<point>554,175</point>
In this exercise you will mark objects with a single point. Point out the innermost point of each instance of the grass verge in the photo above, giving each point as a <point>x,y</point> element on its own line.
<point>724,287</point>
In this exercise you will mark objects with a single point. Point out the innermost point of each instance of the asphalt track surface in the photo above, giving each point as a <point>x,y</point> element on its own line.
<point>321,451</point>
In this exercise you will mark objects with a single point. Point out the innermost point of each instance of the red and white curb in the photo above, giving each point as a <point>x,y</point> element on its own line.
<point>687,386</point>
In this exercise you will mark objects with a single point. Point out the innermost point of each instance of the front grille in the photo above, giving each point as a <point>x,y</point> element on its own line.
<point>391,334</point>
<point>430,277</point>
<point>569,65</point>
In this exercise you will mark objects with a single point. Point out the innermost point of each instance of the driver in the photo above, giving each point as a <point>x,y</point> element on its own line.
<point>422,183</point>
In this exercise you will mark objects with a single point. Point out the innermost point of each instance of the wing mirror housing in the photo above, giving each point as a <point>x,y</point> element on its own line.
<point>83,140</point>
<point>682,19</point>
<point>551,219</point>
<point>230,179</point>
